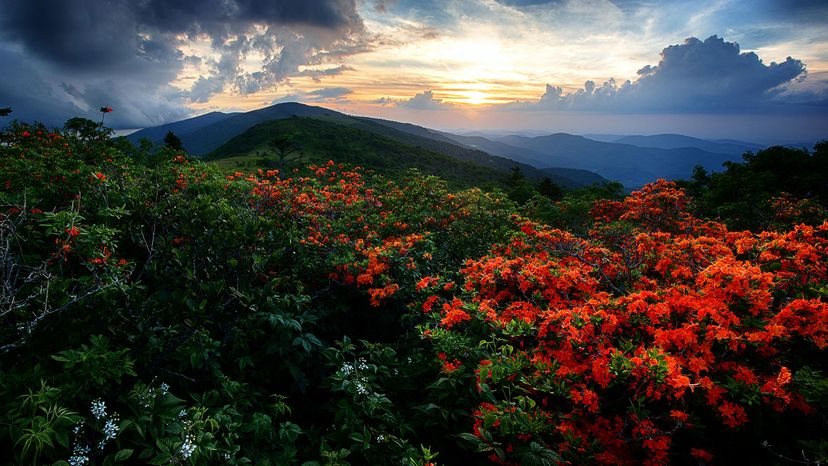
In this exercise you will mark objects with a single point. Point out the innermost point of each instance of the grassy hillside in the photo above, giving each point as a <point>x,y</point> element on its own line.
<point>320,140</point>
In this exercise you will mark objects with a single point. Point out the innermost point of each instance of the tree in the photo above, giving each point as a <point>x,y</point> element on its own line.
<point>85,129</point>
<point>520,190</point>
<point>549,189</point>
<point>173,142</point>
<point>285,149</point>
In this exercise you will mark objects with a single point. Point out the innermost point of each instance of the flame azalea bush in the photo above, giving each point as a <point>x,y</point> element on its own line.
<point>156,310</point>
<point>640,343</point>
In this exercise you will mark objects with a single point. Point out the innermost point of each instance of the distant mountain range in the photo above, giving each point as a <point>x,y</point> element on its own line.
<point>375,143</point>
<point>570,160</point>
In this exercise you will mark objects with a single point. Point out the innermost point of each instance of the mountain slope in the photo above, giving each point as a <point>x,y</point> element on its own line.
<point>678,141</point>
<point>324,139</point>
<point>157,133</point>
<point>631,165</point>
<point>434,141</point>
<point>521,154</point>
<point>204,140</point>
<point>567,177</point>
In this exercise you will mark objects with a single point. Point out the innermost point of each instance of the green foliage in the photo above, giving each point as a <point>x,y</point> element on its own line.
<point>173,142</point>
<point>154,310</point>
<point>774,188</point>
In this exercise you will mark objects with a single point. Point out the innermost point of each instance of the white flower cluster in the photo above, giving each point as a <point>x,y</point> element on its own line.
<point>352,371</point>
<point>80,456</point>
<point>148,397</point>
<point>188,447</point>
<point>111,428</point>
<point>98,409</point>
<point>182,414</point>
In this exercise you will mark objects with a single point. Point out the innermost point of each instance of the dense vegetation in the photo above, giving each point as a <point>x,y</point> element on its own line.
<point>156,309</point>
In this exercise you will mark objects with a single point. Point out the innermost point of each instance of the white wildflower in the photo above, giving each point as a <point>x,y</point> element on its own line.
<point>188,447</point>
<point>111,428</point>
<point>98,409</point>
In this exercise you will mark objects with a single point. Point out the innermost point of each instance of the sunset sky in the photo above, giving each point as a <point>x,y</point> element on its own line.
<point>755,70</point>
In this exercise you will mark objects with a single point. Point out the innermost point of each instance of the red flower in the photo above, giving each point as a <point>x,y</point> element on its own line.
<point>701,454</point>
<point>26,134</point>
<point>74,231</point>
<point>106,109</point>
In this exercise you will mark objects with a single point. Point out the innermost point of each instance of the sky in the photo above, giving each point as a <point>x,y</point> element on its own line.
<point>754,70</point>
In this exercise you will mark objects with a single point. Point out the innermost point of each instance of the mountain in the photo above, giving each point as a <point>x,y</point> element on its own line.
<point>210,134</point>
<point>157,133</point>
<point>204,138</point>
<point>436,141</point>
<point>631,165</point>
<point>678,141</point>
<point>485,155</point>
<point>575,175</point>
<point>323,139</point>
<point>567,177</point>
<point>521,154</point>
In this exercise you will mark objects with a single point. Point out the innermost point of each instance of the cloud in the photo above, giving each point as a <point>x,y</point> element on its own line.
<point>696,76</point>
<point>109,51</point>
<point>384,101</point>
<point>288,98</point>
<point>424,101</point>
<point>525,3</point>
<point>328,94</point>
<point>317,74</point>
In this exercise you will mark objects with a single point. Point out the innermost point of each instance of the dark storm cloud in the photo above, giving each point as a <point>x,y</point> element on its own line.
<point>110,51</point>
<point>709,76</point>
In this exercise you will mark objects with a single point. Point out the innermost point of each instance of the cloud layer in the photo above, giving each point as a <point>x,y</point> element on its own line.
<point>696,76</point>
<point>424,101</point>
<point>127,54</point>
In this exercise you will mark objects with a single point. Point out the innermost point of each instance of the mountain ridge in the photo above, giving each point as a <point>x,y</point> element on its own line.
<point>670,156</point>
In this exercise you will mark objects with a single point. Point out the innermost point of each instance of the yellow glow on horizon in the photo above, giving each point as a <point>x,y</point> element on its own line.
<point>474,97</point>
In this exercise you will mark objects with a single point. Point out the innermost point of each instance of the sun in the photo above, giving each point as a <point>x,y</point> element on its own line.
<point>473,97</point>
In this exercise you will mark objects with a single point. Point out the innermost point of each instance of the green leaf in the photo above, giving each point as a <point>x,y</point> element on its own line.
<point>123,455</point>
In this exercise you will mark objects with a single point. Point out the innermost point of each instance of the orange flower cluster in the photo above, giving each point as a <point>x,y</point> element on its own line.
<point>656,312</point>
<point>343,220</point>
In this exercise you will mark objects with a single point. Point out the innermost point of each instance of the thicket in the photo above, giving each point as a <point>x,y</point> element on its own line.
<point>156,310</point>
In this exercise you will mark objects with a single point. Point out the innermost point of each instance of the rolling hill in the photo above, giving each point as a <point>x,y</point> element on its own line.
<point>210,134</point>
<point>201,139</point>
<point>323,139</point>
